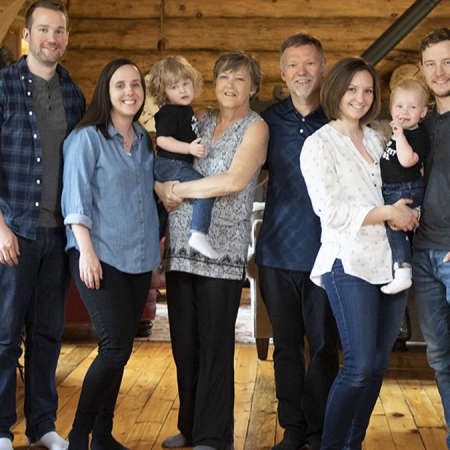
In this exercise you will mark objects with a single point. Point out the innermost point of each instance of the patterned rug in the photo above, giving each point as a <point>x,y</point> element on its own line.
<point>160,329</point>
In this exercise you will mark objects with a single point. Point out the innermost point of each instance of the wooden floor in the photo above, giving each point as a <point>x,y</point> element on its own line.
<point>408,414</point>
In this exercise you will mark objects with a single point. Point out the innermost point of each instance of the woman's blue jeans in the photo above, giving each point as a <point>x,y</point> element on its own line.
<point>398,239</point>
<point>368,322</point>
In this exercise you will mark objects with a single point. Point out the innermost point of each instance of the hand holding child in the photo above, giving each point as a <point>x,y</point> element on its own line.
<point>197,149</point>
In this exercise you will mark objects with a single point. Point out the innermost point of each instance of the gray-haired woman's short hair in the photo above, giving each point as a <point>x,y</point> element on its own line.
<point>234,60</point>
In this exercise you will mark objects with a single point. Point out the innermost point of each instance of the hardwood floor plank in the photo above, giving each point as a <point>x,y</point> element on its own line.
<point>407,416</point>
<point>434,438</point>
<point>263,419</point>
<point>422,409</point>
<point>169,428</point>
<point>398,416</point>
<point>378,434</point>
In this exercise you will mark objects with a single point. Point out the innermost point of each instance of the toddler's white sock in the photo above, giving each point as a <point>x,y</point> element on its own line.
<point>402,280</point>
<point>201,244</point>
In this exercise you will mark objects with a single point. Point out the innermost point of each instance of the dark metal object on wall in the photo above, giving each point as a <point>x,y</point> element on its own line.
<point>398,30</point>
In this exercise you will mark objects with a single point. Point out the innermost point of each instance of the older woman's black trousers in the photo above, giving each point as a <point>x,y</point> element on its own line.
<point>202,316</point>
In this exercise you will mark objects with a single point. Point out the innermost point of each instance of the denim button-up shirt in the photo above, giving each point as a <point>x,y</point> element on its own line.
<point>111,193</point>
<point>20,145</point>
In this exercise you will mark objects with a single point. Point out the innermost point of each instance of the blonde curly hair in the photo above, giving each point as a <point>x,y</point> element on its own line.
<point>411,85</point>
<point>168,71</point>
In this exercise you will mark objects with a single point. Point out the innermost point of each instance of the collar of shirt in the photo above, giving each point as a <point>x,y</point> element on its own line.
<point>289,107</point>
<point>115,134</point>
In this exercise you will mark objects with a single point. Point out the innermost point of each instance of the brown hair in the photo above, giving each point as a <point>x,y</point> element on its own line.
<point>98,113</point>
<point>168,71</point>
<point>235,60</point>
<point>436,36</point>
<point>54,5</point>
<point>337,81</point>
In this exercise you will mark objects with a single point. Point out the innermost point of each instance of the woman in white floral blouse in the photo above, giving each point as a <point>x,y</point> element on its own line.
<point>340,163</point>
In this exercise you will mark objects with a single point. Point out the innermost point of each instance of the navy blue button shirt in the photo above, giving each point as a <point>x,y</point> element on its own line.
<point>290,233</point>
<point>111,193</point>
<point>20,145</point>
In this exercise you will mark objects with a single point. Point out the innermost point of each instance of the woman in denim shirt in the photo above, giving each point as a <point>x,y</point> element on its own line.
<point>112,233</point>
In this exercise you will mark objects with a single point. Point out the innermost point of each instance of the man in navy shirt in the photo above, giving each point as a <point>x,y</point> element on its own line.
<point>286,249</point>
<point>39,106</point>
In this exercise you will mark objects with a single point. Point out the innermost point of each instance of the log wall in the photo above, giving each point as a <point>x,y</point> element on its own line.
<point>200,30</point>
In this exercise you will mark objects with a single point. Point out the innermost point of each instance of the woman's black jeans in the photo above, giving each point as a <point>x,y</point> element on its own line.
<point>115,310</point>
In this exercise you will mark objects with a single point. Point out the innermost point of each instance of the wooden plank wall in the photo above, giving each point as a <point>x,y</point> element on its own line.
<point>200,30</point>
<point>146,30</point>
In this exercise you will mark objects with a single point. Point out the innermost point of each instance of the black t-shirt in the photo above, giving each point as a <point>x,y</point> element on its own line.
<point>391,169</point>
<point>179,122</point>
<point>434,230</point>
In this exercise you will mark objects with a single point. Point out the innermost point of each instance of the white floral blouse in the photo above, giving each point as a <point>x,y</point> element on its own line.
<point>343,188</point>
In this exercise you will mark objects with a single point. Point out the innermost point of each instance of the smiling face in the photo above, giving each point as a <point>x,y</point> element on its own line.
<point>47,38</point>
<point>234,88</point>
<point>408,107</point>
<point>180,93</point>
<point>358,97</point>
<point>126,92</point>
<point>302,69</point>
<point>436,68</point>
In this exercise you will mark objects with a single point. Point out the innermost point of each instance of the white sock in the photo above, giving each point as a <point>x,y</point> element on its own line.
<point>402,280</point>
<point>5,444</point>
<point>51,440</point>
<point>199,242</point>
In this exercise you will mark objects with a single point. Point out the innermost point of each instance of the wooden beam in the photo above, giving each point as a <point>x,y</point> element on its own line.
<point>8,10</point>
<point>351,36</point>
<point>197,9</point>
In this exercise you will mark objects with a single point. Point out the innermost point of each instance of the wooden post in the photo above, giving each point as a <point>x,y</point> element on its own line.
<point>9,9</point>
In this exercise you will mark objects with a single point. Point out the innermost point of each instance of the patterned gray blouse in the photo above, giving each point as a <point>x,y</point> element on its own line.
<point>229,233</point>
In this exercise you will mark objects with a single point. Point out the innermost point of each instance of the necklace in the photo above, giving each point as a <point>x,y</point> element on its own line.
<point>128,140</point>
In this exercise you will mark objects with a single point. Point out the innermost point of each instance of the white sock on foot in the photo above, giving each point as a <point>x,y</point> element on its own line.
<point>402,280</point>
<point>175,441</point>
<point>51,440</point>
<point>199,242</point>
<point>5,444</point>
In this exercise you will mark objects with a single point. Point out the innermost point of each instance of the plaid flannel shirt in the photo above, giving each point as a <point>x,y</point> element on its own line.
<point>20,146</point>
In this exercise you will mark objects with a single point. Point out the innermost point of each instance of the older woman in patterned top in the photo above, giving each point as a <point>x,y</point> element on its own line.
<point>203,294</point>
